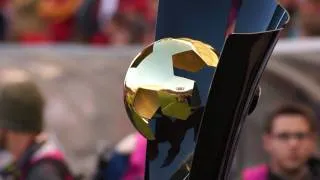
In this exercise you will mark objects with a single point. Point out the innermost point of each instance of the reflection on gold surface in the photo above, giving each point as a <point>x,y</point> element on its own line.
<point>151,86</point>
<point>188,60</point>
<point>205,51</point>
<point>146,103</point>
<point>142,125</point>
<point>144,53</point>
<point>175,104</point>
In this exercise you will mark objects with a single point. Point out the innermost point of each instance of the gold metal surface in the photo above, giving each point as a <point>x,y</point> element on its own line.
<point>146,103</point>
<point>175,104</point>
<point>188,60</point>
<point>205,51</point>
<point>140,57</point>
<point>151,87</point>
<point>142,125</point>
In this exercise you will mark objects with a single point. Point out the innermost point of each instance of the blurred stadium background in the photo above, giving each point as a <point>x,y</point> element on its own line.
<point>83,86</point>
<point>79,59</point>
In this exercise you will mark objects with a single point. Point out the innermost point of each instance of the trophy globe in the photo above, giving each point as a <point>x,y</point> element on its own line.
<point>154,89</point>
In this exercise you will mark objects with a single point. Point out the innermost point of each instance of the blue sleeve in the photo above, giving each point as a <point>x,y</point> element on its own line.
<point>45,171</point>
<point>117,166</point>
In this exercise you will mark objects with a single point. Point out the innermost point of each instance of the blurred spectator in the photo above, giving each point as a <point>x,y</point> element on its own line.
<point>87,22</point>
<point>118,30</point>
<point>61,17</point>
<point>106,11</point>
<point>93,17</point>
<point>122,29</point>
<point>21,123</point>
<point>109,22</point>
<point>309,11</point>
<point>2,20</point>
<point>290,139</point>
<point>123,22</point>
<point>135,7</point>
<point>126,161</point>
<point>152,17</point>
<point>25,24</point>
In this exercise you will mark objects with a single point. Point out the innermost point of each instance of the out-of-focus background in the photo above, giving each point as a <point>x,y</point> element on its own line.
<point>79,51</point>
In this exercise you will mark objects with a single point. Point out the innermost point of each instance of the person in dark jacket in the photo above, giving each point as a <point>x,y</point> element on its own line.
<point>21,133</point>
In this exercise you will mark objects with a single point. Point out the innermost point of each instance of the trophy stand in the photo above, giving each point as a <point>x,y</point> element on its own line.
<point>189,92</point>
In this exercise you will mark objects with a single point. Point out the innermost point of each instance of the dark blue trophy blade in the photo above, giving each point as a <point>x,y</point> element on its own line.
<point>279,19</point>
<point>207,21</point>
<point>259,16</point>
<point>203,20</point>
<point>255,15</point>
<point>241,65</point>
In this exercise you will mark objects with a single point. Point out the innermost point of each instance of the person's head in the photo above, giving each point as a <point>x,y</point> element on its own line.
<point>309,12</point>
<point>117,29</point>
<point>21,113</point>
<point>290,137</point>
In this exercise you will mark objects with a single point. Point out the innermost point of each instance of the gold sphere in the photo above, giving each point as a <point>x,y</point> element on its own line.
<point>151,86</point>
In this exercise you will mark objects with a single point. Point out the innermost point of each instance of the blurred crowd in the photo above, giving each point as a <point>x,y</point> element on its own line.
<point>112,22</point>
<point>108,22</point>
